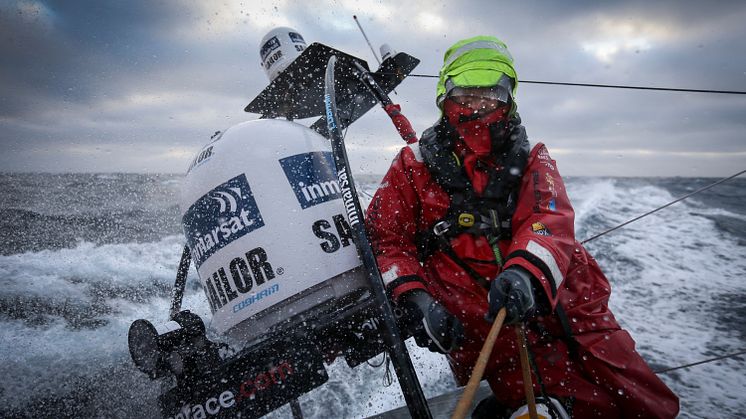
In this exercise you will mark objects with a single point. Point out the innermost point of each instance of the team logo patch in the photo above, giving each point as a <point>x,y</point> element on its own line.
<point>540,229</point>
<point>226,213</point>
<point>550,184</point>
<point>311,175</point>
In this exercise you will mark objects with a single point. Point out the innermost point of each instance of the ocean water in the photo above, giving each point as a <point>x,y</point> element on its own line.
<point>83,255</point>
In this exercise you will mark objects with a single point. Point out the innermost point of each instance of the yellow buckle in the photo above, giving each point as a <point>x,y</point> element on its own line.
<point>465,220</point>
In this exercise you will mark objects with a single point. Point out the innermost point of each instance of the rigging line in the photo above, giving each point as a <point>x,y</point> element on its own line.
<point>617,86</point>
<point>366,39</point>
<point>718,358</point>
<point>613,86</point>
<point>664,206</point>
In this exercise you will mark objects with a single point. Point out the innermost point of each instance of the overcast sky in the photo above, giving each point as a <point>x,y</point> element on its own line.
<point>140,85</point>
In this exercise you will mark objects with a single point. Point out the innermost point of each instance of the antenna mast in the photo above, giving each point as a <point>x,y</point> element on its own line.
<point>366,39</point>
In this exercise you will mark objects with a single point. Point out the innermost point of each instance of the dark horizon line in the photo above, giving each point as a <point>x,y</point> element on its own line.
<point>32,172</point>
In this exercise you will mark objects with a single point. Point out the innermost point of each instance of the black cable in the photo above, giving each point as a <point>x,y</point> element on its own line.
<point>418,75</point>
<point>661,207</point>
<point>615,86</point>
<point>663,371</point>
<point>379,364</point>
<point>539,379</point>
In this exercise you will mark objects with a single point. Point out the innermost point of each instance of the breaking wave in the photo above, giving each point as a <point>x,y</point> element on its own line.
<point>70,288</point>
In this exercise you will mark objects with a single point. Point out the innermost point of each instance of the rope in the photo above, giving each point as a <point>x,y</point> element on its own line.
<point>616,86</point>
<point>613,86</point>
<point>718,358</point>
<point>388,378</point>
<point>661,207</point>
<point>380,363</point>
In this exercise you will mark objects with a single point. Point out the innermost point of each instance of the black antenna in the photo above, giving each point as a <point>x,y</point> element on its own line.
<point>366,39</point>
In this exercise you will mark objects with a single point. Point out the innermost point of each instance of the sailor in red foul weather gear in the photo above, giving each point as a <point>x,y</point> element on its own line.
<point>473,218</point>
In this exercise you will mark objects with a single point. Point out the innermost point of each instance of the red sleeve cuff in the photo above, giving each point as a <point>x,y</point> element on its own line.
<point>401,285</point>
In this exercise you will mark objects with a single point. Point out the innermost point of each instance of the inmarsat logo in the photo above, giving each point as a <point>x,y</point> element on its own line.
<point>226,200</point>
<point>311,175</point>
<point>219,217</point>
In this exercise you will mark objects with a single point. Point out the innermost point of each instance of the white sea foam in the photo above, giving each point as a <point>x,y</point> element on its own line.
<point>671,274</point>
<point>37,358</point>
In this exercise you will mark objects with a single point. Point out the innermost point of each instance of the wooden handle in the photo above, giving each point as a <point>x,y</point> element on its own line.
<point>462,408</point>
<point>527,384</point>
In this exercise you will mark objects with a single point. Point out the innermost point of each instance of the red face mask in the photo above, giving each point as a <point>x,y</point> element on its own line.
<point>473,126</point>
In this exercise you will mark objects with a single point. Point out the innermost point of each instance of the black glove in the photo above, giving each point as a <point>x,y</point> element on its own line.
<point>512,289</point>
<point>434,327</point>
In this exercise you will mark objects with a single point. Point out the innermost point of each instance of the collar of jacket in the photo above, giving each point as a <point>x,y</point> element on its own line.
<point>437,146</point>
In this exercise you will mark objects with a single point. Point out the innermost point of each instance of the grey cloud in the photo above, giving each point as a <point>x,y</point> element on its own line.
<point>83,52</point>
<point>161,77</point>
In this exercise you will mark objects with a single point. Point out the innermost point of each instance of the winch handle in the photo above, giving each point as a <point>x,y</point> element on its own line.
<point>462,408</point>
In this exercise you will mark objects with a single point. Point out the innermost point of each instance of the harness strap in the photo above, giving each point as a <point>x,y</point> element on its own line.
<point>439,239</point>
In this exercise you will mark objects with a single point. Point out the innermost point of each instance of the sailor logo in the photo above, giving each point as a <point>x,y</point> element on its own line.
<point>202,157</point>
<point>221,216</point>
<point>540,229</point>
<point>241,278</point>
<point>272,44</point>
<point>312,178</point>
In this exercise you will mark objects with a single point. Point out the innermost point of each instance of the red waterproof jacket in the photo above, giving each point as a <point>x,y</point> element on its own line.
<point>606,378</point>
